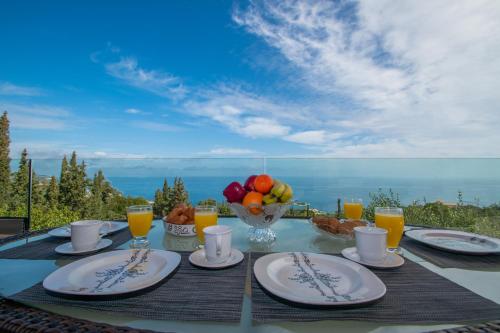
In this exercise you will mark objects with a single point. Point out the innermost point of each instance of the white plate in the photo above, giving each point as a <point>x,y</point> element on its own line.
<point>392,260</point>
<point>198,258</point>
<point>317,279</point>
<point>113,273</point>
<point>65,231</point>
<point>456,241</point>
<point>67,248</point>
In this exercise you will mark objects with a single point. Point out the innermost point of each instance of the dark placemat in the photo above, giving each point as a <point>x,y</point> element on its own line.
<point>43,249</point>
<point>446,259</point>
<point>190,294</point>
<point>414,295</point>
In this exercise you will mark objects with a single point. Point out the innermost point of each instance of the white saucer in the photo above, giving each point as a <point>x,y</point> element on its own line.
<point>392,260</point>
<point>198,258</point>
<point>67,248</point>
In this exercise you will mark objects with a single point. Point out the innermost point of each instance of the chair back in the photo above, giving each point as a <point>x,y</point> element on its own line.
<point>10,226</point>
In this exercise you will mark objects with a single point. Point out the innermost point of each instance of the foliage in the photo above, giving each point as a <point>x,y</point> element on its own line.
<point>168,197</point>
<point>222,207</point>
<point>381,199</point>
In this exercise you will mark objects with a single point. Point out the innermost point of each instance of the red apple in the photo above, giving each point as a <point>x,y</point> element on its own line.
<point>249,184</point>
<point>234,192</point>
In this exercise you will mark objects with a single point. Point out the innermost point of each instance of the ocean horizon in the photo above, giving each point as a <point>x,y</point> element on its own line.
<point>318,182</point>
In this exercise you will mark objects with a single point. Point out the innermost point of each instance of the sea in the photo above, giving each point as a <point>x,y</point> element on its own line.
<point>319,182</point>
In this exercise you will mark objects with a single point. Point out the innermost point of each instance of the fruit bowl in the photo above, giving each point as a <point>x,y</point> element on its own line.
<point>260,231</point>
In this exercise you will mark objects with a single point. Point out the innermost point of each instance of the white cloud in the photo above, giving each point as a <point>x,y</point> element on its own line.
<point>155,126</point>
<point>156,82</point>
<point>36,116</point>
<point>421,76</point>
<point>245,113</point>
<point>311,137</point>
<point>7,88</point>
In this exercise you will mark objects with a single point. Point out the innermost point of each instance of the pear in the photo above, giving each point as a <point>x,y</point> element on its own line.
<point>269,199</point>
<point>278,189</point>
<point>287,194</point>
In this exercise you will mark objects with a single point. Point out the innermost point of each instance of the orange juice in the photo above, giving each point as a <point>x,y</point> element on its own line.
<point>353,210</point>
<point>203,220</point>
<point>394,224</point>
<point>139,223</point>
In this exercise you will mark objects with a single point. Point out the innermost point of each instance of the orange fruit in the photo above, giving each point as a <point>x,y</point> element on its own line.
<point>253,202</point>
<point>263,184</point>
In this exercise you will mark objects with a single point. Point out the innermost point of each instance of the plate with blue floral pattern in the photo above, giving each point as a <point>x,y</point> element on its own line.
<point>113,273</point>
<point>317,279</point>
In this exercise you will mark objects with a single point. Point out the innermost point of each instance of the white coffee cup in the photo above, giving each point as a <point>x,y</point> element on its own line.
<point>217,243</point>
<point>86,234</point>
<point>371,243</point>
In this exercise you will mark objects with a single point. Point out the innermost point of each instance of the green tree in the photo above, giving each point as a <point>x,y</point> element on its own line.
<point>178,194</point>
<point>52,193</point>
<point>20,185</point>
<point>4,159</point>
<point>64,183</point>
<point>38,189</point>
<point>158,203</point>
<point>77,185</point>
<point>97,199</point>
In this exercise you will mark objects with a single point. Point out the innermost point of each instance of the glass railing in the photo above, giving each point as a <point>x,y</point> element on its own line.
<point>453,193</point>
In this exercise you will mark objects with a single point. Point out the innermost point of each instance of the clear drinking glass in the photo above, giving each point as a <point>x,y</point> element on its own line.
<point>392,220</point>
<point>139,219</point>
<point>204,216</point>
<point>353,208</point>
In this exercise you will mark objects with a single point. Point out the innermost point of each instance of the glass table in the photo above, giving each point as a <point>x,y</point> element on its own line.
<point>292,235</point>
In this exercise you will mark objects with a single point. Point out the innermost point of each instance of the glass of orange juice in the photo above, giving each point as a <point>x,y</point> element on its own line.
<point>204,216</point>
<point>139,219</point>
<point>392,220</point>
<point>353,208</point>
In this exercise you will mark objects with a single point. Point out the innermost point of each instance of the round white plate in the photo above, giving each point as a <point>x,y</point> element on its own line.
<point>392,260</point>
<point>113,273</point>
<point>456,241</point>
<point>67,248</point>
<point>65,232</point>
<point>317,279</point>
<point>198,258</point>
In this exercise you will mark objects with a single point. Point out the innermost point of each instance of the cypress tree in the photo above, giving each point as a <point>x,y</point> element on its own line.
<point>20,186</point>
<point>52,194</point>
<point>64,183</point>
<point>158,203</point>
<point>73,187</point>
<point>38,190</point>
<point>166,202</point>
<point>97,195</point>
<point>4,159</point>
<point>178,193</point>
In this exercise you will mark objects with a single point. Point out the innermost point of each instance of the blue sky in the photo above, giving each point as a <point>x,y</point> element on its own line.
<point>223,78</point>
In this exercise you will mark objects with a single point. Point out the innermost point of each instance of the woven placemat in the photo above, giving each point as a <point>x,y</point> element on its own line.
<point>189,294</point>
<point>43,249</point>
<point>445,259</point>
<point>414,295</point>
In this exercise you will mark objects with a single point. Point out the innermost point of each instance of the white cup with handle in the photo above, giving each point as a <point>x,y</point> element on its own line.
<point>85,235</point>
<point>217,243</point>
<point>371,244</point>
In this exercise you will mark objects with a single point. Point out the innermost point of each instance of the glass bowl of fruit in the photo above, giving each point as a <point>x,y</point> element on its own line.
<point>260,202</point>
